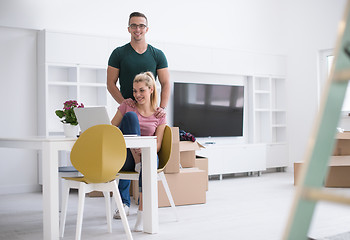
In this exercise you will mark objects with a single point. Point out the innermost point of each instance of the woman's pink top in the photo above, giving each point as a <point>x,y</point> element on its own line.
<point>148,125</point>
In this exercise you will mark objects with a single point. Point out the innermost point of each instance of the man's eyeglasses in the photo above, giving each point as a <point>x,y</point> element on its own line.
<point>134,26</point>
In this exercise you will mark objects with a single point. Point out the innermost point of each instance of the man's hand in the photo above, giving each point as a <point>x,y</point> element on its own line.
<point>129,102</point>
<point>160,112</point>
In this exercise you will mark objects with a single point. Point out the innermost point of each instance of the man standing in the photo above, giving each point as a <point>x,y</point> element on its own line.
<point>124,64</point>
<point>135,57</point>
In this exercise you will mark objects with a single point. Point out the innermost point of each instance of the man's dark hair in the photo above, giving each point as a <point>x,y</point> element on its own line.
<point>138,14</point>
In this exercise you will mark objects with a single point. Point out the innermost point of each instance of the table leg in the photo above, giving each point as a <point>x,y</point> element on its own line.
<point>150,189</point>
<point>50,191</point>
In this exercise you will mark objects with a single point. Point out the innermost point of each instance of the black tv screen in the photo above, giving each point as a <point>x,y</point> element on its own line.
<point>209,110</point>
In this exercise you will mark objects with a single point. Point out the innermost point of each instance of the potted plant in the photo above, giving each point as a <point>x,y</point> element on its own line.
<point>69,120</point>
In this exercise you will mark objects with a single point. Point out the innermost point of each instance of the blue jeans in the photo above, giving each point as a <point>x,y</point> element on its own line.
<point>129,125</point>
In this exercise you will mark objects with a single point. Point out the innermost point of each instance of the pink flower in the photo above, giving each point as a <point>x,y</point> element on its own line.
<point>67,114</point>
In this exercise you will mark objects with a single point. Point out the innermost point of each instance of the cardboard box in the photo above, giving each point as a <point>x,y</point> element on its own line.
<point>339,164</point>
<point>202,164</point>
<point>173,165</point>
<point>183,152</point>
<point>342,145</point>
<point>135,191</point>
<point>343,135</point>
<point>97,194</point>
<point>297,170</point>
<point>187,187</point>
<point>338,173</point>
<point>188,159</point>
<point>188,153</point>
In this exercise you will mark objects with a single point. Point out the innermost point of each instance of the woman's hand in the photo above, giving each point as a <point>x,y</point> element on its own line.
<point>137,151</point>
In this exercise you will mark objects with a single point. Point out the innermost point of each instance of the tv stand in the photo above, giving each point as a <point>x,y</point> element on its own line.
<point>226,158</point>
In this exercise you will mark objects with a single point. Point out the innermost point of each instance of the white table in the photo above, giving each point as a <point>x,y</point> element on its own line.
<point>50,147</point>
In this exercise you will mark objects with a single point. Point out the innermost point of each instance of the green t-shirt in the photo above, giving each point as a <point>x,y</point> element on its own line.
<point>130,63</point>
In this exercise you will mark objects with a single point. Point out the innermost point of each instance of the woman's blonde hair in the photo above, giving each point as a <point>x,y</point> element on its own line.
<point>148,79</point>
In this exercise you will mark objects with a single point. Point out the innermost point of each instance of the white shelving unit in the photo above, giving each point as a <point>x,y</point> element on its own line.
<point>86,84</point>
<point>268,111</point>
<point>70,67</point>
<point>62,76</point>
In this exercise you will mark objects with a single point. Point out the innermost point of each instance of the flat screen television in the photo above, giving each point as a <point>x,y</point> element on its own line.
<point>209,110</point>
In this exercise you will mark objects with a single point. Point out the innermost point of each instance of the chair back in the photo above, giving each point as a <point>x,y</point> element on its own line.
<point>99,153</point>
<point>165,149</point>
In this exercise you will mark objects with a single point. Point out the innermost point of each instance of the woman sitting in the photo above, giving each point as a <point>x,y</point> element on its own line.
<point>137,117</point>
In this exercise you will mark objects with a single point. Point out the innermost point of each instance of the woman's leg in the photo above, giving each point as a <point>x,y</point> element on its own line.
<point>129,125</point>
<point>140,185</point>
<point>139,223</point>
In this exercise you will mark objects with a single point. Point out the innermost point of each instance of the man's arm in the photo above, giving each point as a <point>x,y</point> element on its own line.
<point>164,79</point>
<point>112,78</point>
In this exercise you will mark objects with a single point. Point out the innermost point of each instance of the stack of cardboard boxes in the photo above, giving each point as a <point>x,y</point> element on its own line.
<point>339,164</point>
<point>186,174</point>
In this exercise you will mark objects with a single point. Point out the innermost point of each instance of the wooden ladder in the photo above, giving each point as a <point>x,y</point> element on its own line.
<point>310,189</point>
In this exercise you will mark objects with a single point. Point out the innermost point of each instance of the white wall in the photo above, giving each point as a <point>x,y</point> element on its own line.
<point>297,28</point>
<point>312,26</point>
<point>18,106</point>
<point>248,24</point>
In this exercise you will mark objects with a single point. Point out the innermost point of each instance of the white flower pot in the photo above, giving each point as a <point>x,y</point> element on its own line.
<point>70,130</point>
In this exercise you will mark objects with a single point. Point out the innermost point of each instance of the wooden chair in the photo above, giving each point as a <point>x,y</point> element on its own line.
<point>99,154</point>
<point>164,156</point>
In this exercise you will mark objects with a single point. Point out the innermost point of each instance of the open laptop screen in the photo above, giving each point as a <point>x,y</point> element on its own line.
<point>91,116</point>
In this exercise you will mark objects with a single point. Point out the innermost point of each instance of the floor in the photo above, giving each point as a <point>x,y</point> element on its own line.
<point>254,207</point>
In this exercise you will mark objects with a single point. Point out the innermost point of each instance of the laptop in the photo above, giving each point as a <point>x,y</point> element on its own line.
<point>91,116</point>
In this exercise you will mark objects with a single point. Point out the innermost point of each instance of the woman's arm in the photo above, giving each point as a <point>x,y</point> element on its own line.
<point>159,134</point>
<point>117,119</point>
